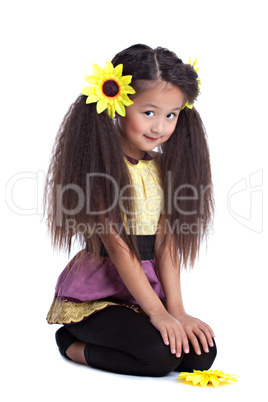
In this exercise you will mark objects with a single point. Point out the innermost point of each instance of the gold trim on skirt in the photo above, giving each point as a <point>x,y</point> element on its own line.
<point>67,312</point>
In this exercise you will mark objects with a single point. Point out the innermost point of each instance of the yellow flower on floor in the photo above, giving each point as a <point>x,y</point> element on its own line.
<point>190,105</point>
<point>204,377</point>
<point>109,89</point>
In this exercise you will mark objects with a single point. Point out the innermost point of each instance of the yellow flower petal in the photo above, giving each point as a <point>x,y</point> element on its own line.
<point>231,377</point>
<point>129,90</point>
<point>205,381</point>
<point>126,101</point>
<point>92,98</point>
<point>87,91</point>
<point>189,376</point>
<point>91,79</point>
<point>101,106</point>
<point>198,378</point>
<point>97,70</point>
<point>118,70</point>
<point>215,381</point>
<point>194,63</point>
<point>120,109</point>
<point>126,79</point>
<point>108,68</point>
<point>182,375</point>
<point>111,110</point>
<point>187,105</point>
<point>98,91</point>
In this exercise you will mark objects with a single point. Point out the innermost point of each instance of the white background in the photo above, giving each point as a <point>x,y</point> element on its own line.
<point>47,48</point>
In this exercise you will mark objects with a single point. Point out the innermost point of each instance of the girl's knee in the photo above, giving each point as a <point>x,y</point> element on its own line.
<point>205,360</point>
<point>208,358</point>
<point>191,361</point>
<point>163,362</point>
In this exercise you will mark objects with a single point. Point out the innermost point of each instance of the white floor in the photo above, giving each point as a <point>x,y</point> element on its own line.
<point>35,375</point>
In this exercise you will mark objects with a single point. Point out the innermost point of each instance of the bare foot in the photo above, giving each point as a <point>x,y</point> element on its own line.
<point>76,352</point>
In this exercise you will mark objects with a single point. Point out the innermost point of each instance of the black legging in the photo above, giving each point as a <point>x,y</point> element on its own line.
<point>121,341</point>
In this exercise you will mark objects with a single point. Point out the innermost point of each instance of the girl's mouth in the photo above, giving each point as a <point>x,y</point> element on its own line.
<point>150,138</point>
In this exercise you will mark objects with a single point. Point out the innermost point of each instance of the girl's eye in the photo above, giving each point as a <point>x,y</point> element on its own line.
<point>171,116</point>
<point>149,113</point>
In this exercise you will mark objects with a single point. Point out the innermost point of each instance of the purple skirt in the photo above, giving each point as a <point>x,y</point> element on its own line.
<point>87,283</point>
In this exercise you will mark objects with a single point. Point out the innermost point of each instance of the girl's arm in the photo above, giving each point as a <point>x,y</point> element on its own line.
<point>138,285</point>
<point>169,273</point>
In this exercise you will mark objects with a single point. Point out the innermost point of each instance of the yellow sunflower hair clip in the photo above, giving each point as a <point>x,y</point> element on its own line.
<point>190,105</point>
<point>204,377</point>
<point>109,89</point>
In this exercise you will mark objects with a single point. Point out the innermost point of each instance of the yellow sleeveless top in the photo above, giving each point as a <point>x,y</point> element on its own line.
<point>149,195</point>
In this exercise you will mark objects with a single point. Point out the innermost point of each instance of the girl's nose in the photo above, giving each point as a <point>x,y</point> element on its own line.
<point>157,126</point>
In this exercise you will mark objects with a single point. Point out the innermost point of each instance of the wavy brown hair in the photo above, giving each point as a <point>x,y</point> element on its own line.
<point>87,167</point>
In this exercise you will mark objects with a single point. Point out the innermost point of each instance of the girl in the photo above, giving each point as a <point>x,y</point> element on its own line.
<point>139,215</point>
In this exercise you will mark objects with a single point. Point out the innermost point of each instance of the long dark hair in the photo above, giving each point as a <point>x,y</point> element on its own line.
<point>87,148</point>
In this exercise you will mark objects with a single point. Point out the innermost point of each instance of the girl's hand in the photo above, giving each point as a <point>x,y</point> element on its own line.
<point>172,332</point>
<point>196,329</point>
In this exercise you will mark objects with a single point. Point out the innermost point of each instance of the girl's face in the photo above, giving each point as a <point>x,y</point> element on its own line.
<point>151,119</point>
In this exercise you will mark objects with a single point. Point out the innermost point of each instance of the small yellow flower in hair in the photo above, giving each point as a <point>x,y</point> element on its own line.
<point>109,89</point>
<point>204,377</point>
<point>190,105</point>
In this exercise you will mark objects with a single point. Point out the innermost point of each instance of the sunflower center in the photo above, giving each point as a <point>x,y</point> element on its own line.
<point>110,88</point>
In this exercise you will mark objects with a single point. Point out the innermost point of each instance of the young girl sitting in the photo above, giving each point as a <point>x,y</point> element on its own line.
<point>140,216</point>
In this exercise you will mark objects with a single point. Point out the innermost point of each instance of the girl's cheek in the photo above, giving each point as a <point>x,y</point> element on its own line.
<point>133,127</point>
